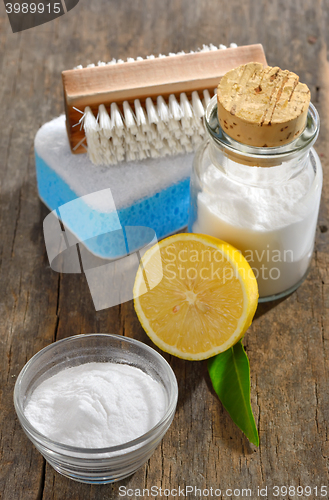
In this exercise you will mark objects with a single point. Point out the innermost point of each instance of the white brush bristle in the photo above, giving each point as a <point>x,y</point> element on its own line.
<point>151,129</point>
<point>164,127</point>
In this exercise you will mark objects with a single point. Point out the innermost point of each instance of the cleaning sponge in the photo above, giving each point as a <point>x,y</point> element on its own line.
<point>152,193</point>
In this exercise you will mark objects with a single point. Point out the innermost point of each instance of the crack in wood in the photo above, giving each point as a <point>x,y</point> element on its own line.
<point>316,407</point>
<point>317,92</point>
<point>57,307</point>
<point>162,465</point>
<point>259,433</point>
<point>16,223</point>
<point>42,481</point>
<point>26,306</point>
<point>11,129</point>
<point>146,473</point>
<point>9,355</point>
<point>122,319</point>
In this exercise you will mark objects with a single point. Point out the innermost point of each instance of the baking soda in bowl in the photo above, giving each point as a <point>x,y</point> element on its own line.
<point>96,405</point>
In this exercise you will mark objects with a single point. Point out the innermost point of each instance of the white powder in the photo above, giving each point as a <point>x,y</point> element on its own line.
<point>272,224</point>
<point>96,405</point>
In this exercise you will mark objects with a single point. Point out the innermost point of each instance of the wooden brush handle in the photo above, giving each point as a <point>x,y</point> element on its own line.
<point>147,78</point>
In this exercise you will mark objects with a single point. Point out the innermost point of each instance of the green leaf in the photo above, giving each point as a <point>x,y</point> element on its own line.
<point>230,376</point>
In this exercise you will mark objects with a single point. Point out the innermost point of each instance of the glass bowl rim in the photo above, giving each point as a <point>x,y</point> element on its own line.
<point>143,439</point>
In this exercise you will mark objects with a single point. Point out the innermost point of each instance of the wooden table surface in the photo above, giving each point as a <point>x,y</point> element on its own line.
<point>288,341</point>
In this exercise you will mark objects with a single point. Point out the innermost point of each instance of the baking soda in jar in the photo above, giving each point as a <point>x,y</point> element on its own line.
<point>264,201</point>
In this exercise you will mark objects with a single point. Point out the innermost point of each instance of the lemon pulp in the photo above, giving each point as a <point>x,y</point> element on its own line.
<point>205,297</point>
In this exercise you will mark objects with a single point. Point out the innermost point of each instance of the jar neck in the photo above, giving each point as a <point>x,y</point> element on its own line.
<point>259,165</point>
<point>252,172</point>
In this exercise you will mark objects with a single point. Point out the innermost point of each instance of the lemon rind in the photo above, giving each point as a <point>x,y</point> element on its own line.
<point>250,295</point>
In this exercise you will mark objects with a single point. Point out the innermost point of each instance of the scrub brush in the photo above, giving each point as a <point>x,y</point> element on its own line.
<point>153,107</point>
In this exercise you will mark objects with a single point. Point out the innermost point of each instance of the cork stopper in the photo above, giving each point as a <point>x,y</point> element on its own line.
<point>262,107</point>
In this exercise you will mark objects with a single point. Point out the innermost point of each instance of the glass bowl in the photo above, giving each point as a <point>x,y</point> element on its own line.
<point>99,465</point>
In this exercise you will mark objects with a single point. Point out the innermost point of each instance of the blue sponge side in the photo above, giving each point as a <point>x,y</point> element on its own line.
<point>165,212</point>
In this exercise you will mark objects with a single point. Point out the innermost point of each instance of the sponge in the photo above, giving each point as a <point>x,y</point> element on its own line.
<point>94,201</point>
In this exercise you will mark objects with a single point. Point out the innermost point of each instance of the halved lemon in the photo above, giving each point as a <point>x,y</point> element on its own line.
<point>195,295</point>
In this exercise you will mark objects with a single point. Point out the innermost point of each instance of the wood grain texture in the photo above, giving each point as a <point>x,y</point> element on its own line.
<point>147,78</point>
<point>288,343</point>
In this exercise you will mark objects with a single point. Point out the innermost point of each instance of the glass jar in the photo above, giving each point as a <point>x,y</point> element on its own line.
<point>263,201</point>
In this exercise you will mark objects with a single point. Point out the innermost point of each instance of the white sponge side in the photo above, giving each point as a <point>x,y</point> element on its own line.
<point>128,181</point>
